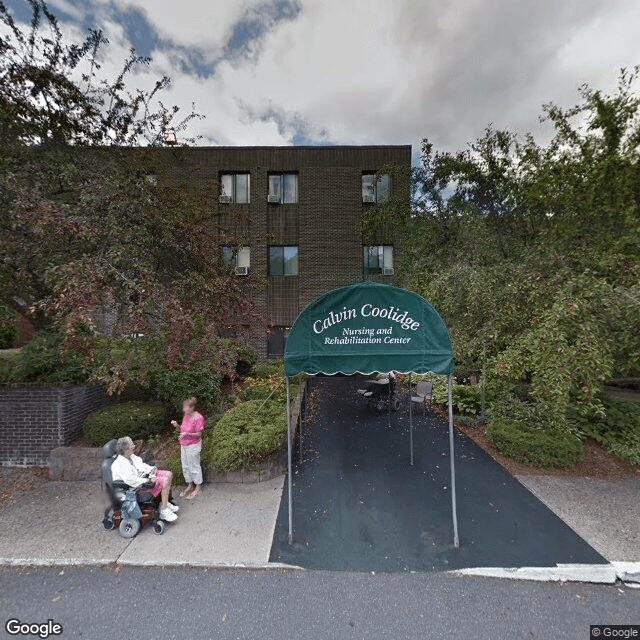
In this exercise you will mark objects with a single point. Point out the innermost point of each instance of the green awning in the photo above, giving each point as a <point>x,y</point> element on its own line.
<point>367,328</point>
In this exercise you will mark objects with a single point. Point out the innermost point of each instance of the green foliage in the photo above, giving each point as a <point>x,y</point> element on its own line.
<point>201,380</point>
<point>89,244</point>
<point>8,326</point>
<point>245,435</point>
<point>533,434</point>
<point>616,428</point>
<point>530,251</point>
<point>244,356</point>
<point>267,382</point>
<point>44,359</point>
<point>467,398</point>
<point>9,365</point>
<point>133,419</point>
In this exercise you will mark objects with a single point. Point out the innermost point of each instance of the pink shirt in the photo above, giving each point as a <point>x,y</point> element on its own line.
<point>190,426</point>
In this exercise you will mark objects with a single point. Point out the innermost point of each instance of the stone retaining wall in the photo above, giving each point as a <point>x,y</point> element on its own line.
<point>37,418</point>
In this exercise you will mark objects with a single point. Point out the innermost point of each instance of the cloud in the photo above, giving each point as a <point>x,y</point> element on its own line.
<point>368,71</point>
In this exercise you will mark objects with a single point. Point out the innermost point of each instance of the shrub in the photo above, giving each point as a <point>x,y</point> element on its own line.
<point>9,365</point>
<point>44,359</point>
<point>8,335</point>
<point>468,398</point>
<point>8,326</point>
<point>617,429</point>
<point>533,434</point>
<point>245,356</point>
<point>245,435</point>
<point>175,385</point>
<point>134,419</point>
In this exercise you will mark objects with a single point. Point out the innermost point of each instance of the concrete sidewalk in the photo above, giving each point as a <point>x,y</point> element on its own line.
<point>604,512</point>
<point>232,525</point>
<point>61,523</point>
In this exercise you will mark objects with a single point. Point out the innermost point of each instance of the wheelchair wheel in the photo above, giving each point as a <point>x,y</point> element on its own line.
<point>396,404</point>
<point>107,523</point>
<point>129,527</point>
<point>158,528</point>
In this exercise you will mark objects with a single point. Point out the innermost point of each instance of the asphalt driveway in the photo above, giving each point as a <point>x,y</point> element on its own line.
<point>358,505</point>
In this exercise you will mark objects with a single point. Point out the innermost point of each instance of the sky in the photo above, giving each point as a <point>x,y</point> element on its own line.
<point>307,72</point>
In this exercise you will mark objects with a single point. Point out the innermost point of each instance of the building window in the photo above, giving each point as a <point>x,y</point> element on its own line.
<point>283,261</point>
<point>283,188</point>
<point>234,187</point>
<point>375,188</point>
<point>237,259</point>
<point>277,341</point>
<point>378,260</point>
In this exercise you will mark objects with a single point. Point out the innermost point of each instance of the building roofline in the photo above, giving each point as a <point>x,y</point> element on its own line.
<point>337,147</point>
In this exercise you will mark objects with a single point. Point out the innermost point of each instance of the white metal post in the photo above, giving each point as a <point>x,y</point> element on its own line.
<point>289,474</point>
<point>410,420</point>
<point>456,542</point>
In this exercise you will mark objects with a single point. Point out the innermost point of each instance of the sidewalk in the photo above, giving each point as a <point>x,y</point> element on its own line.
<point>232,525</point>
<point>61,523</point>
<point>604,512</point>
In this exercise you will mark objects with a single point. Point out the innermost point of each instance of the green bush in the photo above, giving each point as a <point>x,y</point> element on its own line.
<point>245,436</point>
<point>134,419</point>
<point>533,434</point>
<point>8,335</point>
<point>245,356</point>
<point>175,385</point>
<point>8,326</point>
<point>467,398</point>
<point>617,429</point>
<point>44,359</point>
<point>9,365</point>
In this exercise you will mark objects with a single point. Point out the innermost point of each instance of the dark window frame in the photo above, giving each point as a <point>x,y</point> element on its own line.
<point>234,186</point>
<point>271,259</point>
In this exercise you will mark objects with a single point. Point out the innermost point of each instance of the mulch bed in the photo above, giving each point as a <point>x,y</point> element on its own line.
<point>597,462</point>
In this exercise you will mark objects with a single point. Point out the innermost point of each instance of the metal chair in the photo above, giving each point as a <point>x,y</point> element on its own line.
<point>423,394</point>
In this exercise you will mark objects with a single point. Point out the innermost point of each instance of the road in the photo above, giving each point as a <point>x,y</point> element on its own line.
<point>145,603</point>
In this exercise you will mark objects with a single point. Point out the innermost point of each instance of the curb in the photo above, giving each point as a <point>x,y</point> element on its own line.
<point>626,572</point>
<point>78,562</point>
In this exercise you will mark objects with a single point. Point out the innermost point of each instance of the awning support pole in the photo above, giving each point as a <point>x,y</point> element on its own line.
<point>456,541</point>
<point>289,474</point>
<point>389,423</point>
<point>410,421</point>
<point>303,411</point>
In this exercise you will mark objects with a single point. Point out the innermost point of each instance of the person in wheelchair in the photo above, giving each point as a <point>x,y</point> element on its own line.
<point>130,469</point>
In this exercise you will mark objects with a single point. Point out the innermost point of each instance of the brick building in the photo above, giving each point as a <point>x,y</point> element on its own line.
<point>297,214</point>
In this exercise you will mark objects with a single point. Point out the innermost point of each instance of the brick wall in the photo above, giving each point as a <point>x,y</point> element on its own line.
<point>325,223</point>
<point>34,419</point>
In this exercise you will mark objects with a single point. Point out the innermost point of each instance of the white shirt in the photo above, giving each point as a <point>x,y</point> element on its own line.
<point>131,470</point>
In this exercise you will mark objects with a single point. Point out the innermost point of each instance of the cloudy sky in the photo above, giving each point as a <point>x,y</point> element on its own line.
<point>281,72</point>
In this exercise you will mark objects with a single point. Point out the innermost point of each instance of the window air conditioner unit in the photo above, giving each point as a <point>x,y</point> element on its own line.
<point>271,199</point>
<point>224,199</point>
<point>368,198</point>
<point>242,271</point>
<point>388,271</point>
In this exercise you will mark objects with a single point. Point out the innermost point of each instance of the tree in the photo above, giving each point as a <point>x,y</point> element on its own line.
<point>531,251</point>
<point>101,227</point>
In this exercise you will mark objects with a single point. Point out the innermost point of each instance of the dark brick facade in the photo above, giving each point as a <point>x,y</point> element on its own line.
<point>34,419</point>
<point>325,223</point>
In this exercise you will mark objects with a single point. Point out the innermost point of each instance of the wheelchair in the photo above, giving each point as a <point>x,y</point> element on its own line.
<point>380,396</point>
<point>116,490</point>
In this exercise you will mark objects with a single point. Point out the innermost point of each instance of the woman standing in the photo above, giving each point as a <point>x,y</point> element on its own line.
<point>190,439</point>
